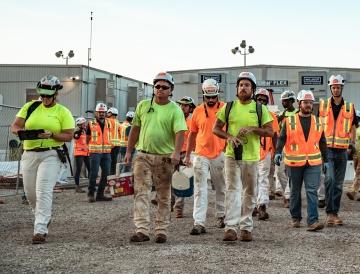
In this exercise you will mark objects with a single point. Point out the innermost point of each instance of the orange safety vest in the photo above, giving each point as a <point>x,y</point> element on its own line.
<point>81,148</point>
<point>186,133</point>
<point>100,141</point>
<point>264,150</point>
<point>115,132</point>
<point>123,137</point>
<point>337,132</point>
<point>298,152</point>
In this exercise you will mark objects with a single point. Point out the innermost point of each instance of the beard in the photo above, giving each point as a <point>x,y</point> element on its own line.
<point>244,96</point>
<point>306,110</point>
<point>211,104</point>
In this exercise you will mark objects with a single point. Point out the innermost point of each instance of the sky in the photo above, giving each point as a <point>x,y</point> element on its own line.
<point>138,39</point>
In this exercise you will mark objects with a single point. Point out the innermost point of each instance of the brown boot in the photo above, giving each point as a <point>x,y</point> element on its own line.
<point>286,203</point>
<point>315,226</point>
<point>351,195</point>
<point>245,236</point>
<point>255,212</point>
<point>139,237</point>
<point>39,239</point>
<point>78,189</point>
<point>263,215</point>
<point>272,195</point>
<point>179,213</point>
<point>220,222</point>
<point>337,220</point>
<point>160,238</point>
<point>230,235</point>
<point>295,223</point>
<point>330,220</point>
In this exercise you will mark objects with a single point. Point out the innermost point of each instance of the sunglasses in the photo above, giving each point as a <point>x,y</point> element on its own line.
<point>261,100</point>
<point>46,96</point>
<point>158,87</point>
<point>211,97</point>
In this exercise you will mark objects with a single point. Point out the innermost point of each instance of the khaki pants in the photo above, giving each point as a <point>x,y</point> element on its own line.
<point>149,169</point>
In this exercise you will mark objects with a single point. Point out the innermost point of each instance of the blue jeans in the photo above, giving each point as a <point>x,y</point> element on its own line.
<point>78,165</point>
<point>125,168</point>
<point>99,160</point>
<point>114,155</point>
<point>311,177</point>
<point>334,179</point>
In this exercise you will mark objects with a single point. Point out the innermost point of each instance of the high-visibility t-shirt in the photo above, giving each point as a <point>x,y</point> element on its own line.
<point>158,126</point>
<point>207,143</point>
<point>54,119</point>
<point>186,133</point>
<point>244,115</point>
<point>269,148</point>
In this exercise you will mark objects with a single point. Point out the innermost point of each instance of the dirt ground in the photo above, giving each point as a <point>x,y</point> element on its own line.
<point>94,238</point>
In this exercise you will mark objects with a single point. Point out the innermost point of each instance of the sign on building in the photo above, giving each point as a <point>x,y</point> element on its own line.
<point>272,83</point>
<point>216,77</point>
<point>312,80</point>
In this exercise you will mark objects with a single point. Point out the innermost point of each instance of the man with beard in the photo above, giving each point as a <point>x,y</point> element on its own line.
<point>244,128</point>
<point>339,120</point>
<point>209,157</point>
<point>305,147</point>
<point>98,137</point>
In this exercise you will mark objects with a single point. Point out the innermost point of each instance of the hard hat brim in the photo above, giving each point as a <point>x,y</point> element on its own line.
<point>45,91</point>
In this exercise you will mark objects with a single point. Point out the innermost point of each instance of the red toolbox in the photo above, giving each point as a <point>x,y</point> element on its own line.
<point>121,185</point>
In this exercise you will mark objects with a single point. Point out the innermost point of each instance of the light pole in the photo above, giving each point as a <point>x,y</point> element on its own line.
<point>59,54</point>
<point>243,46</point>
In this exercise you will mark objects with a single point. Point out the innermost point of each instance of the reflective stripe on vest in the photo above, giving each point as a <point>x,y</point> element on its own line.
<point>115,125</point>
<point>80,146</point>
<point>100,141</point>
<point>337,132</point>
<point>123,137</point>
<point>298,152</point>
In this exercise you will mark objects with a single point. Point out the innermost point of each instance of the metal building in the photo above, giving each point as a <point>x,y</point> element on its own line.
<point>275,78</point>
<point>83,87</point>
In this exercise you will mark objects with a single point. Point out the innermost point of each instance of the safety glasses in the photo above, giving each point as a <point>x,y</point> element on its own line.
<point>46,96</point>
<point>158,87</point>
<point>211,97</point>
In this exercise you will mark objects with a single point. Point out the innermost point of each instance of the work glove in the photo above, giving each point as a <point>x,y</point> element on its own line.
<point>277,159</point>
<point>326,167</point>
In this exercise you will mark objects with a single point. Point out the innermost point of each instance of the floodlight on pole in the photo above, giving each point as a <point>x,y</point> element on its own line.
<point>245,51</point>
<point>59,54</point>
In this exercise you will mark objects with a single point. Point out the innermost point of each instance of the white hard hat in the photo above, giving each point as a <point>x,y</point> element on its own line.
<point>48,85</point>
<point>113,111</point>
<point>287,94</point>
<point>187,100</point>
<point>101,107</point>
<point>305,95</point>
<point>130,114</point>
<point>80,120</point>
<point>247,75</point>
<point>164,76</point>
<point>210,87</point>
<point>336,80</point>
<point>262,91</point>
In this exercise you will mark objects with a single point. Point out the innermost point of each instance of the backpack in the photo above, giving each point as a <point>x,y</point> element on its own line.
<point>258,112</point>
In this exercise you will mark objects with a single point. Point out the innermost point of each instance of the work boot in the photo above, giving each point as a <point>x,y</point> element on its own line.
<point>278,193</point>
<point>286,202</point>
<point>139,237</point>
<point>315,226</point>
<point>154,202</point>
<point>330,220</point>
<point>255,212</point>
<point>160,238</point>
<point>100,197</point>
<point>230,235</point>
<point>91,198</point>
<point>78,189</point>
<point>351,195</point>
<point>295,223</point>
<point>39,239</point>
<point>337,220</point>
<point>272,195</point>
<point>197,230</point>
<point>178,213</point>
<point>321,204</point>
<point>263,215</point>
<point>220,222</point>
<point>245,236</point>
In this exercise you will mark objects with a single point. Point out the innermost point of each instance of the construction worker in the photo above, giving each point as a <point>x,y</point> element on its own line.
<point>209,157</point>
<point>246,121</point>
<point>356,183</point>
<point>98,137</point>
<point>81,151</point>
<point>112,114</point>
<point>158,129</point>
<point>187,106</point>
<point>125,128</point>
<point>282,182</point>
<point>267,150</point>
<point>340,122</point>
<point>305,146</point>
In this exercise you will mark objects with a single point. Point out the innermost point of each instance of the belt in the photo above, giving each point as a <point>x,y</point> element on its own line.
<point>143,151</point>
<point>41,149</point>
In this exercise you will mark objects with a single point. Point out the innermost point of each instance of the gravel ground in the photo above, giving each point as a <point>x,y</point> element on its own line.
<point>94,238</point>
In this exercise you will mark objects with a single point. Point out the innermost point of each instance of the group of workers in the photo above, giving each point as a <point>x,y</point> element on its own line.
<point>240,145</point>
